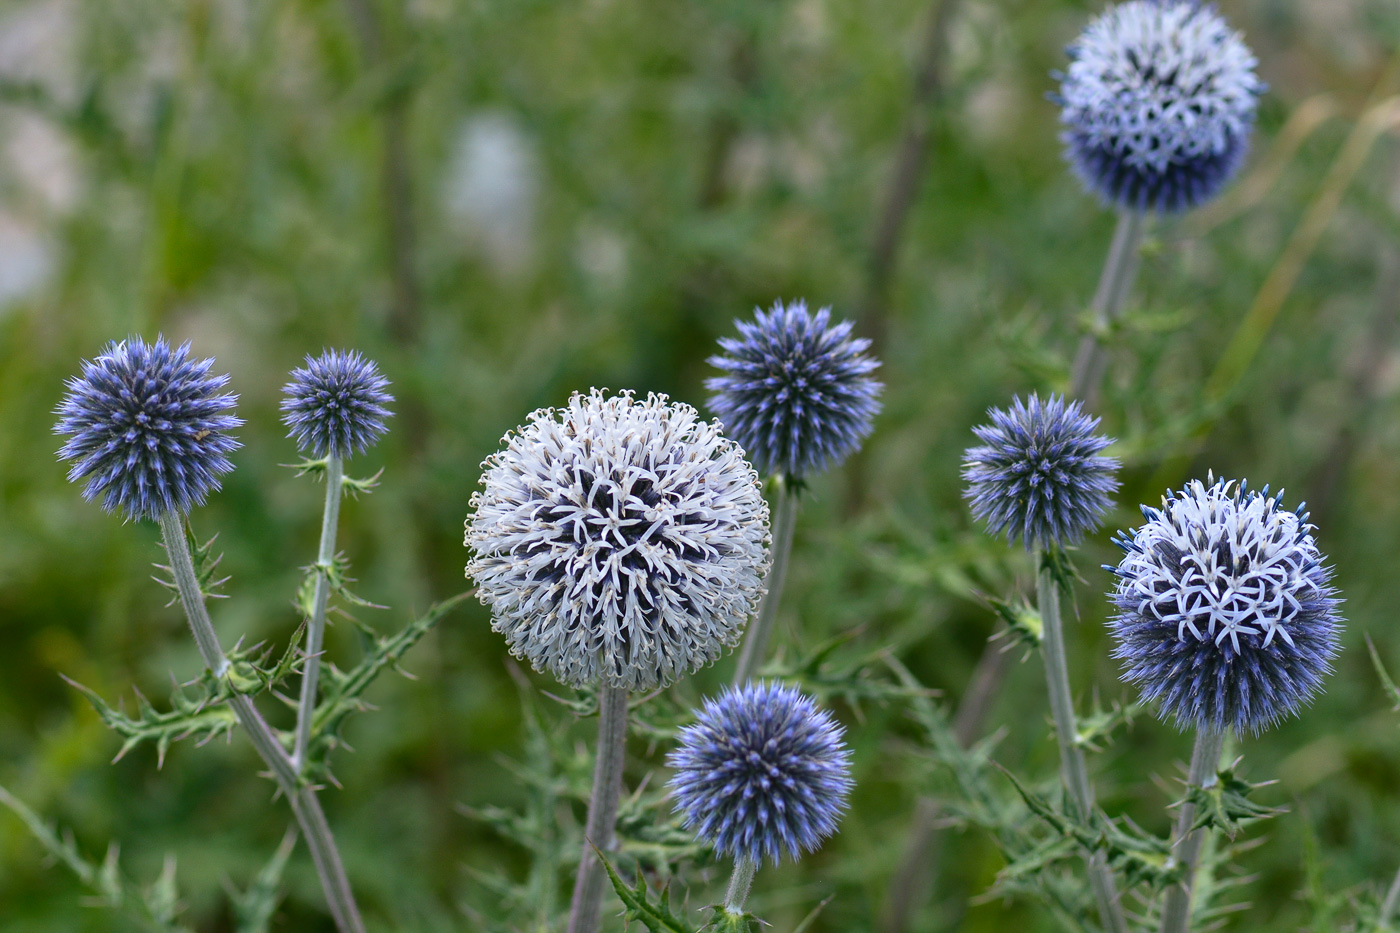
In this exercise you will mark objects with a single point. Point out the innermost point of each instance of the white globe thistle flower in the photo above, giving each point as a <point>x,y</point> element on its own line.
<point>618,541</point>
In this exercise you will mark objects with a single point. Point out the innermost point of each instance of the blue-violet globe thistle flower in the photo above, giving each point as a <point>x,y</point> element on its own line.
<point>1226,618</point>
<point>618,540</point>
<point>1158,104</point>
<point>1039,475</point>
<point>335,406</point>
<point>148,428</point>
<point>762,771</point>
<point>797,393</point>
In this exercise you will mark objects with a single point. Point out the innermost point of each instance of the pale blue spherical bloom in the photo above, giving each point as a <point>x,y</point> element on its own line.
<point>336,404</point>
<point>762,772</point>
<point>1158,104</point>
<point>797,392</point>
<point>618,540</point>
<point>149,428</point>
<point>1226,616</point>
<point>1038,474</point>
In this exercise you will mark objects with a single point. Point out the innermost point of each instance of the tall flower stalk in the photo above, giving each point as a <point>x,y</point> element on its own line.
<point>797,394</point>
<point>1038,476</point>
<point>335,407</point>
<point>148,433</point>
<point>1227,620</point>
<point>1115,284</point>
<point>620,543</point>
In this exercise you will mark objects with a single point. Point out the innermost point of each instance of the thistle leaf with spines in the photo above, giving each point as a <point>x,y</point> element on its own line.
<point>656,914</point>
<point>1224,803</point>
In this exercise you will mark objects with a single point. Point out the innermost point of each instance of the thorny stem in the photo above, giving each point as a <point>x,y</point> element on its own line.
<point>756,641</point>
<point>739,884</point>
<point>1205,759</point>
<point>316,626</point>
<point>339,898</point>
<point>1115,283</point>
<point>1073,771</point>
<point>587,905</point>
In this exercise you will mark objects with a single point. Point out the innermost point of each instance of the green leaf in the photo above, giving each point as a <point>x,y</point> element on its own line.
<point>1224,803</point>
<point>253,908</point>
<point>655,915</point>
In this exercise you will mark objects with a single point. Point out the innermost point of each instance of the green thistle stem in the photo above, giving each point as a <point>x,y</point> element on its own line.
<point>1073,770</point>
<point>312,819</point>
<point>1115,283</point>
<point>756,641</point>
<point>1392,900</point>
<point>316,626</point>
<point>1205,761</point>
<point>587,906</point>
<point>739,884</point>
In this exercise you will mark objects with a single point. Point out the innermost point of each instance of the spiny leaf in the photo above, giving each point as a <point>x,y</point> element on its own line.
<point>655,915</point>
<point>203,716</point>
<point>1224,803</point>
<point>253,908</point>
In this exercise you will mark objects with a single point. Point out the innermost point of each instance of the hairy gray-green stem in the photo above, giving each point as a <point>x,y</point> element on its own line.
<point>1073,771</point>
<point>587,905</point>
<point>1205,759</point>
<point>305,806</point>
<point>756,641</point>
<point>1114,284</point>
<point>1392,900</point>
<point>316,625</point>
<point>739,884</point>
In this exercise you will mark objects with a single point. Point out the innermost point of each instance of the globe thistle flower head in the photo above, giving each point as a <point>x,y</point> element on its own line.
<point>796,393</point>
<point>336,405</point>
<point>762,772</point>
<point>1038,474</point>
<point>1158,104</point>
<point>1226,617</point>
<point>148,428</point>
<point>618,540</point>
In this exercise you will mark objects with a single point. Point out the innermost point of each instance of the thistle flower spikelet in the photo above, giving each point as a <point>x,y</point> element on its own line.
<point>1226,617</point>
<point>797,393</point>
<point>336,404</point>
<point>763,771</point>
<point>618,540</point>
<point>1038,475</point>
<point>148,428</point>
<point>1158,103</point>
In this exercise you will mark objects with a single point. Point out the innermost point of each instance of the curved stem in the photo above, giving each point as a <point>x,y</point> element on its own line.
<point>739,884</point>
<point>1392,900</point>
<point>1115,283</point>
<point>339,898</point>
<point>587,905</point>
<point>316,626</point>
<point>1205,760</point>
<point>756,641</point>
<point>1073,770</point>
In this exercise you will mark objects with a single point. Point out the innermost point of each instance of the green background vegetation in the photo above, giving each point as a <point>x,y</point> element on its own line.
<point>502,201</point>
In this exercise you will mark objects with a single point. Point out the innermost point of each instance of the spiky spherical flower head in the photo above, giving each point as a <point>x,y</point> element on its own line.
<point>763,771</point>
<point>1038,474</point>
<point>148,428</point>
<point>336,405</point>
<point>618,540</point>
<point>1226,618</point>
<point>797,393</point>
<point>1158,104</point>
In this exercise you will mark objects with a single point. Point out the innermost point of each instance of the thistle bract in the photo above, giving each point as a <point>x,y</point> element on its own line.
<point>618,540</point>
<point>1226,618</point>
<point>1038,475</point>
<point>336,405</point>
<point>762,772</point>
<point>1158,104</point>
<point>797,393</point>
<point>148,428</point>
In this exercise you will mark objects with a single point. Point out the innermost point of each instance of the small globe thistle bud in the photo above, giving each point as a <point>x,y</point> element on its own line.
<point>148,428</point>
<point>618,540</point>
<point>1158,103</point>
<point>1038,475</point>
<point>763,771</point>
<point>335,406</point>
<point>797,394</point>
<point>1226,618</point>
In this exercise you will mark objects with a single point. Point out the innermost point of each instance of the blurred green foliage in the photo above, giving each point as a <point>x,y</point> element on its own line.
<point>505,200</point>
